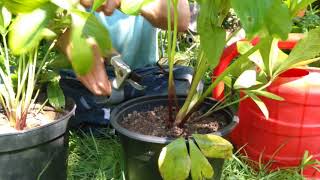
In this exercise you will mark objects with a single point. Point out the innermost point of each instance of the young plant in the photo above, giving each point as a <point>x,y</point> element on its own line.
<point>241,74</point>
<point>19,76</point>
<point>20,68</point>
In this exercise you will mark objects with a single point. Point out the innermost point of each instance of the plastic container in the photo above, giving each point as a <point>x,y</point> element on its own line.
<point>293,126</point>
<point>141,152</point>
<point>37,153</point>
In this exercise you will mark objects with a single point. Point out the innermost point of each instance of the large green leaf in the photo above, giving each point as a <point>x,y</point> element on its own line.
<point>212,36</point>
<point>94,29</point>
<point>28,29</point>
<point>5,19</point>
<point>308,48</point>
<point>85,26</point>
<point>213,146</point>
<point>23,6</point>
<point>257,17</point>
<point>280,26</point>
<point>55,95</point>
<point>174,162</point>
<point>81,51</point>
<point>133,7</point>
<point>212,43</point>
<point>200,166</point>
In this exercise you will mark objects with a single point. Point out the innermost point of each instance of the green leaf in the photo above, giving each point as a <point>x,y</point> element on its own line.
<point>200,166</point>
<point>85,26</point>
<point>267,94</point>
<point>260,104</point>
<point>97,4</point>
<point>257,17</point>
<point>48,34</point>
<point>133,7</point>
<point>246,80</point>
<point>5,19</point>
<point>308,48</point>
<point>212,36</point>
<point>23,6</point>
<point>27,29</point>
<point>251,14</point>
<point>214,146</point>
<point>174,162</point>
<point>81,51</point>
<point>280,26</point>
<point>55,95</point>
<point>213,41</point>
<point>94,29</point>
<point>244,46</point>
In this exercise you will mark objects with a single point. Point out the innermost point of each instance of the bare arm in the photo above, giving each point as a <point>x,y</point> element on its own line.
<point>155,12</point>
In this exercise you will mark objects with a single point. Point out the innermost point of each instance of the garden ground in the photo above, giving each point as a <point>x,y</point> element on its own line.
<point>98,156</point>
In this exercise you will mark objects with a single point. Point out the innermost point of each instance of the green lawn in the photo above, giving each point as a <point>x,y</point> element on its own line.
<point>99,157</point>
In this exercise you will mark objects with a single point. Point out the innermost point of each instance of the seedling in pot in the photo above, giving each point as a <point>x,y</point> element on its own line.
<point>21,66</point>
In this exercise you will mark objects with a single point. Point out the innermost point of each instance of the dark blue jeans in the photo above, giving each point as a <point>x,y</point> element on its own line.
<point>95,110</point>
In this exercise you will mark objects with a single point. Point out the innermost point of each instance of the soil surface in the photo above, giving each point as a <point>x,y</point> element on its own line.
<point>153,123</point>
<point>34,119</point>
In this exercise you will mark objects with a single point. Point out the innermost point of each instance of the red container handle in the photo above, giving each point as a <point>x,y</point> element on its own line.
<point>231,52</point>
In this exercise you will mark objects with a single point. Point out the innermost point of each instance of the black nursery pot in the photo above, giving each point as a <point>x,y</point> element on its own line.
<point>141,152</point>
<point>39,153</point>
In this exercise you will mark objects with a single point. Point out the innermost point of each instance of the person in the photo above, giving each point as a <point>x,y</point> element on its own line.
<point>135,38</point>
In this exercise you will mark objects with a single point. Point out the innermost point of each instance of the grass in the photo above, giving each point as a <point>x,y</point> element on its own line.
<point>99,157</point>
<point>93,157</point>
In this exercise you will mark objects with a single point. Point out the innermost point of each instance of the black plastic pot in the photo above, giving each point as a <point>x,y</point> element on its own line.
<point>37,153</point>
<point>141,152</point>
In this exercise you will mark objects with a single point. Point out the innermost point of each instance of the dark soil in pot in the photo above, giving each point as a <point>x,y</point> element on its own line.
<point>153,123</point>
<point>141,152</point>
<point>39,152</point>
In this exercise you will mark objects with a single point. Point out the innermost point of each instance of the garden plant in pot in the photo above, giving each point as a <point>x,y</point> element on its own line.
<point>248,74</point>
<point>33,123</point>
<point>282,137</point>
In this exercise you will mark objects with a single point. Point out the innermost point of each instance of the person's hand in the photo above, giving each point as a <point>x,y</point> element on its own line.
<point>107,8</point>
<point>96,80</point>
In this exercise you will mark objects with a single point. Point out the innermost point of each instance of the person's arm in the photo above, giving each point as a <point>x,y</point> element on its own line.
<point>155,12</point>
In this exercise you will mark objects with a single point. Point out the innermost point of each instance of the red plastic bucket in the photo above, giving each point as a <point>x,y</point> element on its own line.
<point>293,126</point>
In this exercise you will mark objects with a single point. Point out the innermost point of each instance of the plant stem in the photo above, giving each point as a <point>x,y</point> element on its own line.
<point>172,41</point>
<point>234,65</point>
<point>193,89</point>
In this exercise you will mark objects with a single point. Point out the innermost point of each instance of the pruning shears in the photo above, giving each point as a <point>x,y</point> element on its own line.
<point>123,73</point>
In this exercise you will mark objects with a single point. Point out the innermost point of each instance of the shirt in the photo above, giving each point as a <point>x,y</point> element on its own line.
<point>133,37</point>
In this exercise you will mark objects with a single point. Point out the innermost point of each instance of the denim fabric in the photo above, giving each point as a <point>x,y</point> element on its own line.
<point>94,110</point>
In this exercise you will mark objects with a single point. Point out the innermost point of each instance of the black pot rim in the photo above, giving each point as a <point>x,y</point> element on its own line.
<point>116,112</point>
<point>69,114</point>
<point>32,137</point>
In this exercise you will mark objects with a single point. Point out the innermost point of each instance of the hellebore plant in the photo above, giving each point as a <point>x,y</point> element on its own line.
<point>252,72</point>
<point>36,22</point>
